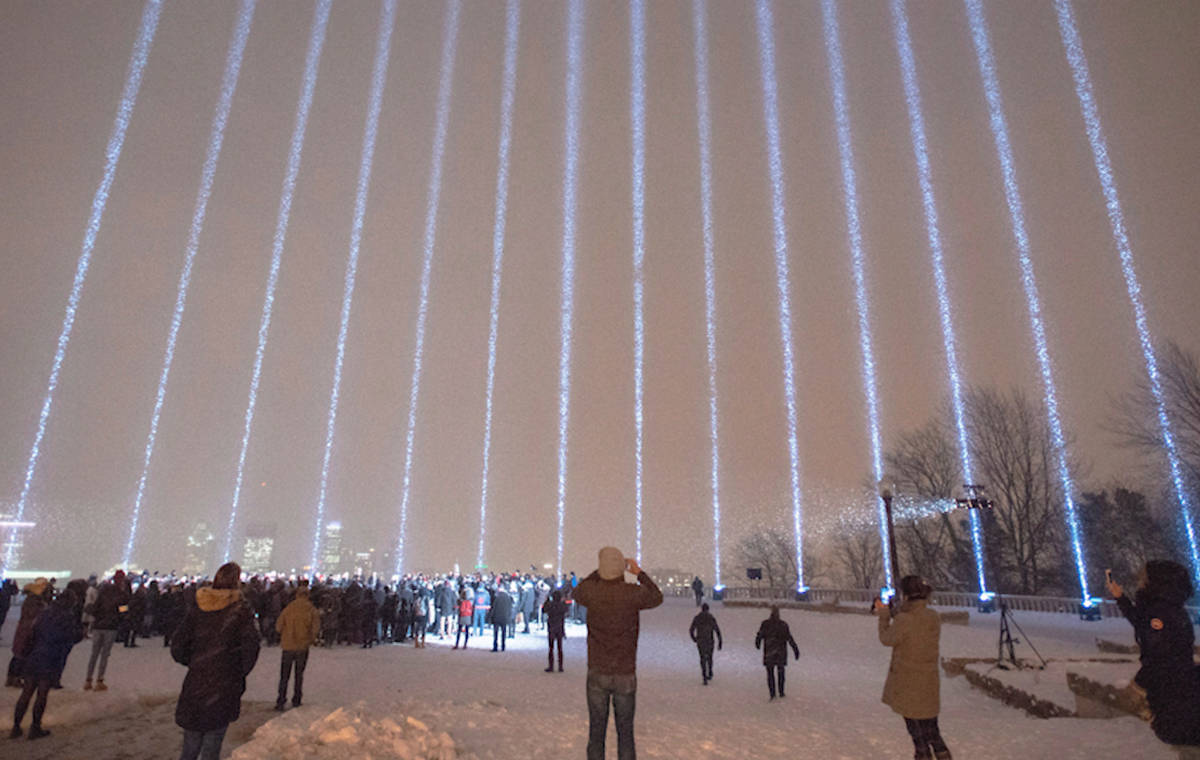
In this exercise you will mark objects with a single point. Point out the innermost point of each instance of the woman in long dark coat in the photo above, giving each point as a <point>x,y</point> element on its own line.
<point>44,653</point>
<point>218,642</point>
<point>1166,638</point>
<point>774,637</point>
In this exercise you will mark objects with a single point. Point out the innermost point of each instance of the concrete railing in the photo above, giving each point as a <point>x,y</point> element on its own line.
<point>969,599</point>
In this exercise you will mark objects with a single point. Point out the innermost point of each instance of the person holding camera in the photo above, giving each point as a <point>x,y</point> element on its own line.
<point>912,688</point>
<point>1165,637</point>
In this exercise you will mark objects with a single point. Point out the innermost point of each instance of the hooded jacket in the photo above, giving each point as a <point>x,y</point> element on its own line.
<point>613,610</point>
<point>1168,675</point>
<point>298,624</point>
<point>55,631</point>
<point>913,687</point>
<point>704,625</point>
<point>775,637</point>
<point>218,643</point>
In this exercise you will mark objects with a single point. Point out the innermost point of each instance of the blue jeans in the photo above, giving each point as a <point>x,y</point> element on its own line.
<point>622,690</point>
<point>102,644</point>
<point>478,620</point>
<point>203,745</point>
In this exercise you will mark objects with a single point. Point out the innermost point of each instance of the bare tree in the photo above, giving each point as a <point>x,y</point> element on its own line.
<point>1136,421</point>
<point>926,465</point>
<point>1015,456</point>
<point>858,554</point>
<point>773,551</point>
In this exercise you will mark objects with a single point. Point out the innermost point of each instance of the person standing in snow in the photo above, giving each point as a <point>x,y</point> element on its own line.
<point>614,608</point>
<point>466,609</point>
<point>37,597</point>
<point>1165,637</point>
<point>540,595</point>
<point>912,686</point>
<point>112,601</point>
<point>44,654</point>
<point>420,615</point>
<point>704,625</point>
<point>774,637</point>
<point>554,613</point>
<point>8,589</point>
<point>501,612</point>
<point>297,626</point>
<point>698,589</point>
<point>218,643</point>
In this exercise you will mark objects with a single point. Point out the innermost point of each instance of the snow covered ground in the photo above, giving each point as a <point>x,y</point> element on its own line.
<point>400,702</point>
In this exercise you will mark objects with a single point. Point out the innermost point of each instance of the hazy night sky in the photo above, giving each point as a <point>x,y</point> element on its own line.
<point>62,67</point>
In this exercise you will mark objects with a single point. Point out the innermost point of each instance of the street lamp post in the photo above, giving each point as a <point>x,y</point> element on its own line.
<point>885,493</point>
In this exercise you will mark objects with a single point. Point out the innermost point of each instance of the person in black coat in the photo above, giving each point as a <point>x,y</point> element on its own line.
<point>218,643</point>
<point>1165,636</point>
<point>44,654</point>
<point>501,614</point>
<point>368,612</point>
<point>774,637</point>
<point>704,625</point>
<point>8,590</point>
<point>555,611</point>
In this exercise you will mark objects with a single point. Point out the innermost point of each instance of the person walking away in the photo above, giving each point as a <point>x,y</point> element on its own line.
<point>36,599</point>
<point>218,643</point>
<point>526,603</point>
<point>136,617</point>
<point>421,602</point>
<point>555,612</point>
<point>541,594</point>
<point>45,651</point>
<point>698,589</point>
<point>112,600</point>
<point>1165,637</point>
<point>466,609</point>
<point>614,608</point>
<point>774,637</point>
<point>297,626</point>
<point>483,608</point>
<point>502,607</point>
<point>912,686</point>
<point>704,625</point>
<point>368,611</point>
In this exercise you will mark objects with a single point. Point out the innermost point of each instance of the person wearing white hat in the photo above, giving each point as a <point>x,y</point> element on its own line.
<point>613,612</point>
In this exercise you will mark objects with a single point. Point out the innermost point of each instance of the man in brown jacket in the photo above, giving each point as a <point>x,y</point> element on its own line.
<point>613,607</point>
<point>912,686</point>
<point>297,626</point>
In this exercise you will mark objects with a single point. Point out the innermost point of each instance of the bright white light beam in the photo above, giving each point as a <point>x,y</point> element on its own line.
<point>916,121</point>
<point>508,94</point>
<point>704,132</point>
<point>1016,213</point>
<point>383,46</point>
<point>312,60</point>
<point>133,83</point>
<point>574,87</point>
<point>1116,218</point>
<point>766,59</point>
<point>862,302</point>
<point>637,119</point>
<point>229,82</point>
<point>433,198</point>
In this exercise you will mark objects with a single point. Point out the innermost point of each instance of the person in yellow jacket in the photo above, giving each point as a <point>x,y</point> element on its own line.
<point>297,626</point>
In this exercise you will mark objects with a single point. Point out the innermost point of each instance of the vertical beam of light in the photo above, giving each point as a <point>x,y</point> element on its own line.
<point>383,46</point>
<point>1116,218</point>
<point>512,29</point>
<point>1016,213</point>
<point>862,302</point>
<point>112,154</point>
<point>574,87</point>
<point>916,121</point>
<point>433,198</point>
<point>316,42</point>
<point>766,59</point>
<point>704,132</point>
<point>229,81</point>
<point>637,119</point>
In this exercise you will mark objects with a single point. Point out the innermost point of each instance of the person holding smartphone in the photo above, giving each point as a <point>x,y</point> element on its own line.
<point>913,687</point>
<point>1165,636</point>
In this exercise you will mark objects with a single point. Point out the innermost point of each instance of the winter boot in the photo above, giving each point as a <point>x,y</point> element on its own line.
<point>942,754</point>
<point>15,733</point>
<point>87,685</point>
<point>37,732</point>
<point>100,685</point>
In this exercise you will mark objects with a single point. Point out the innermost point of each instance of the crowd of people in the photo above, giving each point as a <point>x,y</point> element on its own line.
<point>216,628</point>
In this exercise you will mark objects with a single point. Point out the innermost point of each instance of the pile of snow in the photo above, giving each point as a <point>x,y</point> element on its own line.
<point>347,734</point>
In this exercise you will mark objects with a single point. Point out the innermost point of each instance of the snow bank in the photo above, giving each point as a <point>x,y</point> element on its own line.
<point>347,733</point>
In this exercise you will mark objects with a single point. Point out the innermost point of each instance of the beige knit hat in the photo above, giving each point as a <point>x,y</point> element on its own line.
<point>612,563</point>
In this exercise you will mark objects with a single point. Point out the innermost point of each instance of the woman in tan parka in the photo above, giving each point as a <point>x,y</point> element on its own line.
<point>912,686</point>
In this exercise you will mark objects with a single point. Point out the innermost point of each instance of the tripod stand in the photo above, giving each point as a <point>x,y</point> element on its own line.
<point>1007,622</point>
